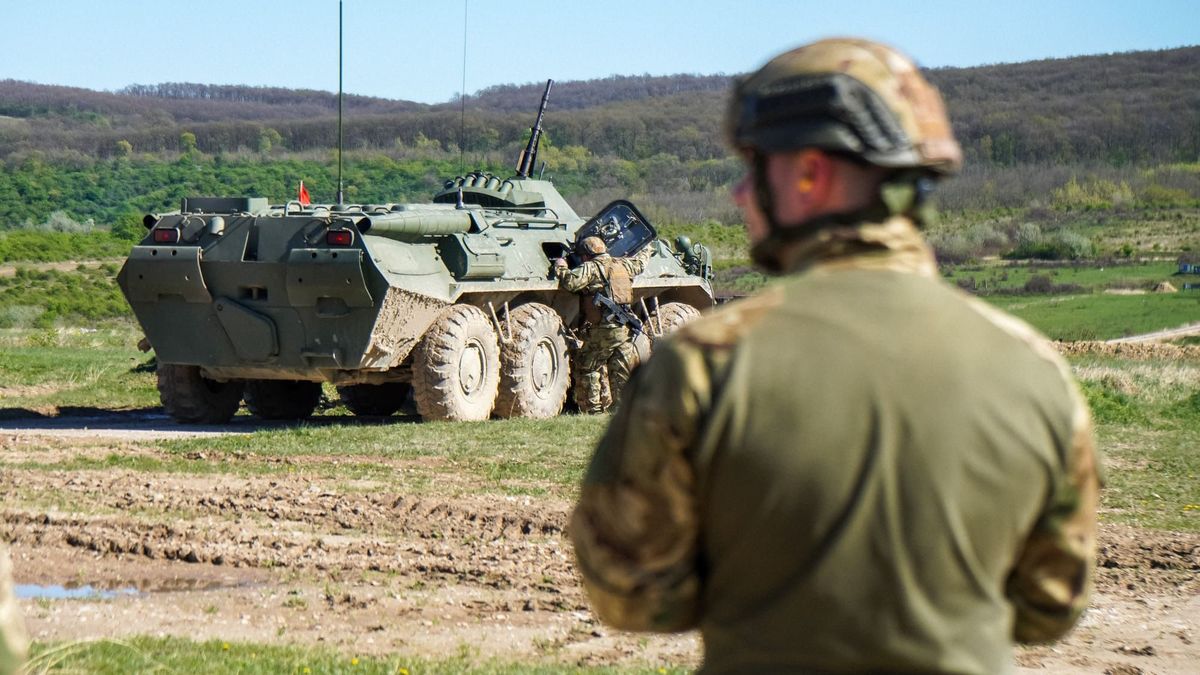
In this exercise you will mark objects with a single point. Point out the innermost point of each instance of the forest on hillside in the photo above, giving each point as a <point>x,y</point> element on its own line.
<point>1107,132</point>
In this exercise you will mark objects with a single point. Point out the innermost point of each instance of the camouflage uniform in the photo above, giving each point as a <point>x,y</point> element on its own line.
<point>861,469</point>
<point>605,343</point>
<point>13,642</point>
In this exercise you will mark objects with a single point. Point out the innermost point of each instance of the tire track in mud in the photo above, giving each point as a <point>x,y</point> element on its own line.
<point>501,543</point>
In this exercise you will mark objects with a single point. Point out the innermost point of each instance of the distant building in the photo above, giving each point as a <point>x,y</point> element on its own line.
<point>1189,265</point>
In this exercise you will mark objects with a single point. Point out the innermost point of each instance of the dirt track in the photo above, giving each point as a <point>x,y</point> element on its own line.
<point>370,569</point>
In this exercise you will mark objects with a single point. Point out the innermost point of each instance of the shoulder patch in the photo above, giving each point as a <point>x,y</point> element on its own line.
<point>726,326</point>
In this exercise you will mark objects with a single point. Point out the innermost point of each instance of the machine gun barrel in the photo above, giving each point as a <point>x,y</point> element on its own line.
<point>528,156</point>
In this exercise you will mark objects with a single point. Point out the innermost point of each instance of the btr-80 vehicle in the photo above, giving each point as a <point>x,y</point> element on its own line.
<point>451,301</point>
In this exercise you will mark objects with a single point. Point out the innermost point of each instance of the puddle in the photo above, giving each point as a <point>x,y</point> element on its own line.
<point>128,588</point>
<point>39,592</point>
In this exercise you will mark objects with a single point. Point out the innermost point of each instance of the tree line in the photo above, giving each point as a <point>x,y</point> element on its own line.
<point>1117,109</point>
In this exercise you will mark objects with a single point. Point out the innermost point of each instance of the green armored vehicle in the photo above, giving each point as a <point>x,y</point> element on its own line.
<point>451,301</point>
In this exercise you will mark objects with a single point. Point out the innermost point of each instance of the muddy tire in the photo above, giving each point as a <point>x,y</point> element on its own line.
<point>534,368</point>
<point>191,398</point>
<point>456,366</point>
<point>282,399</point>
<point>378,400</point>
<point>669,318</point>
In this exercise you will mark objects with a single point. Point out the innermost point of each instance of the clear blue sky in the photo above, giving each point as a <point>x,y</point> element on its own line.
<point>414,50</point>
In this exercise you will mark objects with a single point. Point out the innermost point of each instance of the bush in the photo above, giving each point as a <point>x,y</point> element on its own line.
<point>1060,245</point>
<point>1110,406</point>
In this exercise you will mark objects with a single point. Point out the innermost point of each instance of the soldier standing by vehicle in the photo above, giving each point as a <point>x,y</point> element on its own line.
<point>13,642</point>
<point>607,340</point>
<point>861,468</point>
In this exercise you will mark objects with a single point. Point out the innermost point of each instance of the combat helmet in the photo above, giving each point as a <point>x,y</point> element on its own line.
<point>848,96</point>
<point>592,246</point>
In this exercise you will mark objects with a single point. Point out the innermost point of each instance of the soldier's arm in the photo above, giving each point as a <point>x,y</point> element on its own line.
<point>637,262</point>
<point>583,279</point>
<point>1052,581</point>
<point>636,525</point>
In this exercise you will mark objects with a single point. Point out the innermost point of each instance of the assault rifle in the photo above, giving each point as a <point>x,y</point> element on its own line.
<point>619,312</point>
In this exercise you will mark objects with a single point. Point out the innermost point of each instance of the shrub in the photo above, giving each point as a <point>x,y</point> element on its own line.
<point>1110,406</point>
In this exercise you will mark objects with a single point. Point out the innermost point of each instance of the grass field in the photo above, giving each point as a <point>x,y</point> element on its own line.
<point>172,655</point>
<point>1102,316</point>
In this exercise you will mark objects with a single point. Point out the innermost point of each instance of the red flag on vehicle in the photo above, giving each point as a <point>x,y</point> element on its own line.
<point>305,200</point>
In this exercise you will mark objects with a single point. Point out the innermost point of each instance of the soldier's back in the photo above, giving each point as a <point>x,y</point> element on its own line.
<point>878,449</point>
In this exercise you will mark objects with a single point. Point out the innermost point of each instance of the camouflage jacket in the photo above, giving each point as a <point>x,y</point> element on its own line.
<point>588,279</point>
<point>860,468</point>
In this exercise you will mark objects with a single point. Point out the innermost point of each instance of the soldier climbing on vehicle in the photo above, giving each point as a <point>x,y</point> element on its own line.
<point>605,287</point>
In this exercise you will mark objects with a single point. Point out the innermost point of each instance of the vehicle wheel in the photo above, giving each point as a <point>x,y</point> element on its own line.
<point>669,318</point>
<point>456,366</point>
<point>374,399</point>
<point>282,399</point>
<point>191,398</point>
<point>534,370</point>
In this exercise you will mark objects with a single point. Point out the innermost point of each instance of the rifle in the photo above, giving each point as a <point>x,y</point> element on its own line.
<point>529,155</point>
<point>623,316</point>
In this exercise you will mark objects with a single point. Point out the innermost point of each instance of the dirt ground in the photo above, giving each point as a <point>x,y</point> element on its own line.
<point>369,571</point>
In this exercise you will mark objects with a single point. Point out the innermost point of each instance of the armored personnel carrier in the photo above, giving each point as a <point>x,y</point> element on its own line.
<point>451,300</point>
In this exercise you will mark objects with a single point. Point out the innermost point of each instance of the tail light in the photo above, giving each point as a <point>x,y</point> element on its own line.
<point>166,235</point>
<point>339,238</point>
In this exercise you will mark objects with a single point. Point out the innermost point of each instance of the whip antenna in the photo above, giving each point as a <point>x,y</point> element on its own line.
<point>462,97</point>
<point>340,146</point>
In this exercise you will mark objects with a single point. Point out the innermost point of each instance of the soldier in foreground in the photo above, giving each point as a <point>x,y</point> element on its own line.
<point>860,468</point>
<point>13,642</point>
<point>607,342</point>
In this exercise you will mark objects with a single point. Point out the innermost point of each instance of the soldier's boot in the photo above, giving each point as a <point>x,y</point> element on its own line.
<point>589,392</point>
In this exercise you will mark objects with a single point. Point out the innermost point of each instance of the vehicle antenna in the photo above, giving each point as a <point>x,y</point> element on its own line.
<point>462,97</point>
<point>340,146</point>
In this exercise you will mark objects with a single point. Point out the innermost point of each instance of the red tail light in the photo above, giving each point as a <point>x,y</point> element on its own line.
<point>339,238</point>
<point>166,235</point>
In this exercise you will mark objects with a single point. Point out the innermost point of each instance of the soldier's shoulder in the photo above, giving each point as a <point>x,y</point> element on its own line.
<point>729,323</point>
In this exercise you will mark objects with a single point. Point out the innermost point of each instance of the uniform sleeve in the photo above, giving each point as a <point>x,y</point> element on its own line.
<point>636,263</point>
<point>583,279</point>
<point>1052,581</point>
<point>635,528</point>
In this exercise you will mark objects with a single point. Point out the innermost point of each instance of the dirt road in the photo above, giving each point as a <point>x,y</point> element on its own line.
<point>370,568</point>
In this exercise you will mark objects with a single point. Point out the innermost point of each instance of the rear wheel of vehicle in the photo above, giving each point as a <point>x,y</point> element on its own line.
<point>534,370</point>
<point>282,399</point>
<point>669,318</point>
<point>374,399</point>
<point>456,366</point>
<point>191,398</point>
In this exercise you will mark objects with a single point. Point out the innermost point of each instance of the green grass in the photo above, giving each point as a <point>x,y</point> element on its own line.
<point>73,368</point>
<point>503,457</point>
<point>1000,277</point>
<point>1102,316</point>
<point>175,655</point>
<point>1147,416</point>
<point>39,245</point>
<point>85,296</point>
<point>518,457</point>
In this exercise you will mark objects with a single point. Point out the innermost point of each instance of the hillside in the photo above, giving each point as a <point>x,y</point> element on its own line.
<point>1117,108</point>
<point>1047,142</point>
